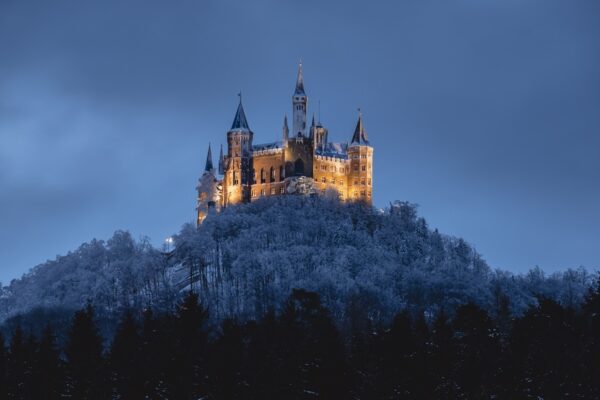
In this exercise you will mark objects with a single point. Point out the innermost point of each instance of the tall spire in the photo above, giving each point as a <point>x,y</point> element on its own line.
<point>286,130</point>
<point>209,163</point>
<point>240,122</point>
<point>300,81</point>
<point>221,162</point>
<point>360,136</point>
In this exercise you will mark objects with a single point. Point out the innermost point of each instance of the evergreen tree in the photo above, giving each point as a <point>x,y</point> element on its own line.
<point>47,367</point>
<point>18,368</point>
<point>125,360</point>
<point>478,350</point>
<point>3,369</point>
<point>85,363</point>
<point>187,374</point>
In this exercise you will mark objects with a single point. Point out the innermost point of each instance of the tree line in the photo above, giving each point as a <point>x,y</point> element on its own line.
<point>551,352</point>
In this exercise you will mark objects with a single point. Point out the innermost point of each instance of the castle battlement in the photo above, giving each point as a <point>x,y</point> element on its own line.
<point>303,162</point>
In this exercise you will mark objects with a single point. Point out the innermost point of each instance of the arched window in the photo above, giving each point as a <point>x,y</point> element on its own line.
<point>272,175</point>
<point>262,176</point>
<point>299,167</point>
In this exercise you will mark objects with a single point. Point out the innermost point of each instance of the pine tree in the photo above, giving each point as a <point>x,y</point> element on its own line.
<point>187,373</point>
<point>48,375</point>
<point>3,369</point>
<point>125,360</point>
<point>85,363</point>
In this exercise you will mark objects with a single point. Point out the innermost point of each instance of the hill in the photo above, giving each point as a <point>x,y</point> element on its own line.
<point>366,264</point>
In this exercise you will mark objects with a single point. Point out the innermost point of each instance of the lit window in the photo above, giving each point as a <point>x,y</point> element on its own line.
<point>363,156</point>
<point>273,190</point>
<point>282,190</point>
<point>262,192</point>
<point>253,192</point>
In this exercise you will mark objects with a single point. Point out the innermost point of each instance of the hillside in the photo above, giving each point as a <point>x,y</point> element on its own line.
<point>366,264</point>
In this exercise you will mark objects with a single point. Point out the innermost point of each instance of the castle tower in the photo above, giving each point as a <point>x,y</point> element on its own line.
<point>300,102</point>
<point>208,190</point>
<point>237,177</point>
<point>360,154</point>
<point>298,152</point>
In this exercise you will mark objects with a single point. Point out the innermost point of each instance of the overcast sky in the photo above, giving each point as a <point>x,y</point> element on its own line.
<point>484,112</point>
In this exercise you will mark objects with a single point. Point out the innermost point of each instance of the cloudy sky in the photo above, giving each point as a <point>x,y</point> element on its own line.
<point>484,112</point>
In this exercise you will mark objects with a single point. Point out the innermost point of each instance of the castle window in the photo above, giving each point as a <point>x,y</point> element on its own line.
<point>282,190</point>
<point>362,182</point>
<point>272,175</point>
<point>333,180</point>
<point>262,192</point>
<point>341,182</point>
<point>363,156</point>
<point>299,167</point>
<point>355,194</point>
<point>253,193</point>
<point>272,190</point>
<point>281,173</point>
<point>235,178</point>
<point>364,167</point>
<point>323,180</point>
<point>356,167</point>
<point>362,193</point>
<point>262,175</point>
<point>323,168</point>
<point>356,181</point>
<point>369,194</point>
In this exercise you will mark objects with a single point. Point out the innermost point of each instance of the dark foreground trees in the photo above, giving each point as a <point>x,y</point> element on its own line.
<point>550,352</point>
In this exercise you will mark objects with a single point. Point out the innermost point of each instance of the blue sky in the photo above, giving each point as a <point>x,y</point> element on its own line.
<point>485,113</point>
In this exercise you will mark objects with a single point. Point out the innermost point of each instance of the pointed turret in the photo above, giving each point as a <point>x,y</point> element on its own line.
<point>312,127</point>
<point>286,130</point>
<point>300,82</point>
<point>209,163</point>
<point>360,136</point>
<point>240,123</point>
<point>221,162</point>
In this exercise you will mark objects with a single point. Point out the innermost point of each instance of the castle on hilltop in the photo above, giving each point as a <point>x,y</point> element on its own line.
<point>303,162</point>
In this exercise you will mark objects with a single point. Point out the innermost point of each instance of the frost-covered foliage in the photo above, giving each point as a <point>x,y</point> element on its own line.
<point>115,274</point>
<point>366,264</point>
<point>363,262</point>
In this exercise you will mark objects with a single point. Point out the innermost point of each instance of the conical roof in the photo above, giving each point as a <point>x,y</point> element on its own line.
<point>240,122</point>
<point>360,136</point>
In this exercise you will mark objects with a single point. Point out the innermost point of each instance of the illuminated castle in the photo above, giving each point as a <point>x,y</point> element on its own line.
<point>303,162</point>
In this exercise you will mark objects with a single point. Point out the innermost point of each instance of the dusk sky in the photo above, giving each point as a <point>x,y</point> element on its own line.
<point>486,113</point>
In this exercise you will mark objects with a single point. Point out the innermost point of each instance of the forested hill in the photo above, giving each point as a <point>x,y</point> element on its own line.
<point>365,264</point>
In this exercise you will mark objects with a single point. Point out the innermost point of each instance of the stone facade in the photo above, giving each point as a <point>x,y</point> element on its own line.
<point>301,163</point>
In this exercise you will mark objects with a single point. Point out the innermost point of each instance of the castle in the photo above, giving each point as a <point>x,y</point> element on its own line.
<point>303,162</point>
